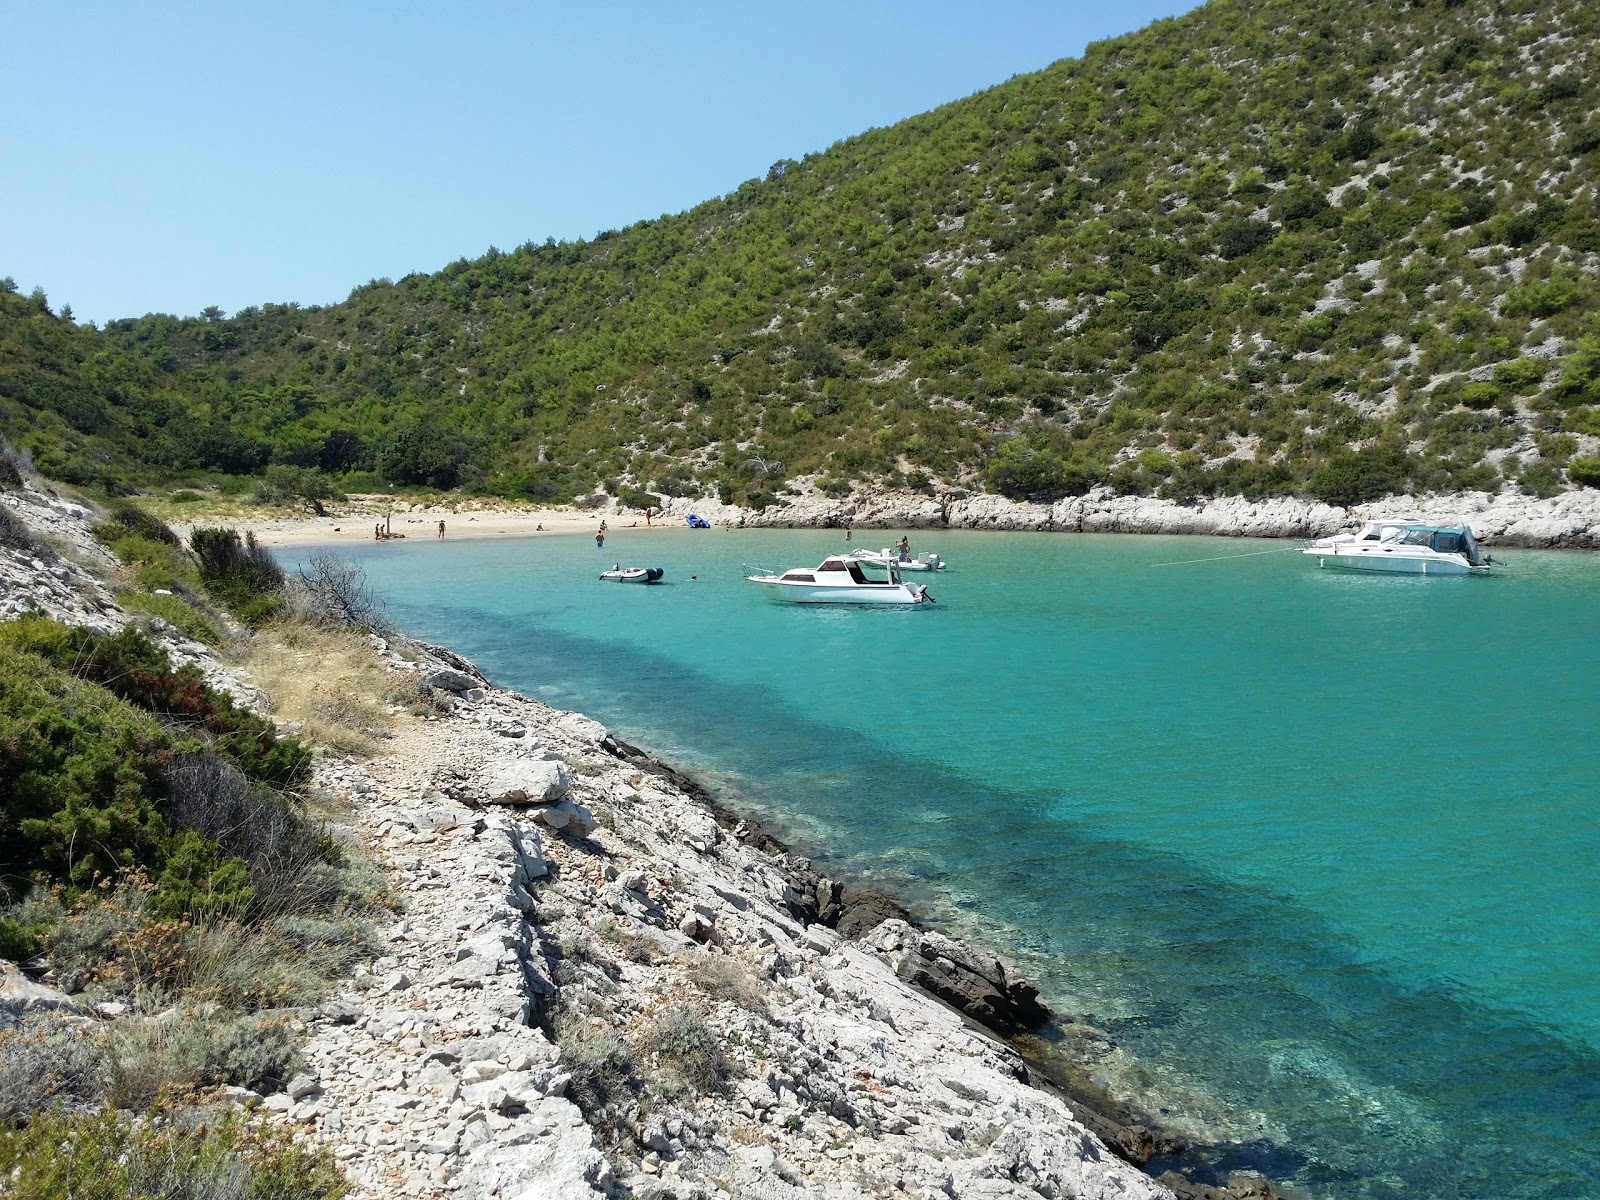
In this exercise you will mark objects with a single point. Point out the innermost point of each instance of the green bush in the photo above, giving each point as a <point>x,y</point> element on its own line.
<point>639,498</point>
<point>129,516</point>
<point>241,573</point>
<point>1585,472</point>
<point>1237,237</point>
<point>1022,472</point>
<point>83,778</point>
<point>135,669</point>
<point>104,1156</point>
<point>1348,479</point>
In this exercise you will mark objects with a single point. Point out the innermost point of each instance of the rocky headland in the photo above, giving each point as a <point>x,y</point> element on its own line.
<point>595,981</point>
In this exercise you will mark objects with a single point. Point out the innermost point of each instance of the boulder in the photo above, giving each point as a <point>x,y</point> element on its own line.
<point>567,817</point>
<point>19,995</point>
<point>975,985</point>
<point>542,781</point>
<point>451,680</point>
<point>582,728</point>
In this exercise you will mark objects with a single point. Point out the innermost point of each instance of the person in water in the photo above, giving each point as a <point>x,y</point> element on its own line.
<point>847,533</point>
<point>600,538</point>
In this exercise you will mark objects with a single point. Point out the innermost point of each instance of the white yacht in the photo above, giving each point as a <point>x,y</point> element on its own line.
<point>903,562</point>
<point>841,580</point>
<point>1403,545</point>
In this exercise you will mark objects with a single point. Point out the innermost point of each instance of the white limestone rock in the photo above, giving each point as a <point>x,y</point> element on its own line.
<point>520,781</point>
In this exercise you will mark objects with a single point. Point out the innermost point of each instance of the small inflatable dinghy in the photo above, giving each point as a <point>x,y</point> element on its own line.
<point>621,574</point>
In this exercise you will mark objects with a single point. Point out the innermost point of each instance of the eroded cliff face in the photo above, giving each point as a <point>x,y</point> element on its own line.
<point>1570,520</point>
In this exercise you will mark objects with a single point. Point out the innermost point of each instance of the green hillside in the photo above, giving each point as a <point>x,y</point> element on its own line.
<point>1336,247</point>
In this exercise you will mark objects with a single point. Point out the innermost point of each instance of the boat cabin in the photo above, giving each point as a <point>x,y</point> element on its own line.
<point>1439,539</point>
<point>852,568</point>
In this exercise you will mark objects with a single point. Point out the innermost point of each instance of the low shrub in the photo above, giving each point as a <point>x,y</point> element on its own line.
<point>149,1061</point>
<point>67,1156</point>
<point>13,466</point>
<point>689,1049</point>
<point>187,617</point>
<point>49,1061</point>
<point>130,517</point>
<point>240,573</point>
<point>1585,472</point>
<point>15,534</point>
<point>601,1065</point>
<point>338,592</point>
<point>724,978</point>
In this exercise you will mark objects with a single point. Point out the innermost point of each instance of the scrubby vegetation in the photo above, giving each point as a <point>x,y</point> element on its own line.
<point>1265,247</point>
<point>240,572</point>
<point>156,855</point>
<point>106,1157</point>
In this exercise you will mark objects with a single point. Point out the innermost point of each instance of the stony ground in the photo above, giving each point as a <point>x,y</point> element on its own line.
<point>765,1058</point>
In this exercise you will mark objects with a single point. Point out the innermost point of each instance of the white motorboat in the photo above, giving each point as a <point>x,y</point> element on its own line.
<point>904,562</point>
<point>1403,545</point>
<point>840,579</point>
<point>622,574</point>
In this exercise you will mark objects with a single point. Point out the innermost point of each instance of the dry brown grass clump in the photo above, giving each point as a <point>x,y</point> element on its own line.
<point>327,679</point>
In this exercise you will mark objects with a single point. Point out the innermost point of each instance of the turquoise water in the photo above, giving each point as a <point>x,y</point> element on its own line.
<point>1318,849</point>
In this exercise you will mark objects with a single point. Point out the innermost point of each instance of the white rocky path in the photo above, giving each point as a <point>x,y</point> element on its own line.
<point>841,1081</point>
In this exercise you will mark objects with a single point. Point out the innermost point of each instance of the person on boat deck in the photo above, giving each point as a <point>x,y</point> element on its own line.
<point>905,548</point>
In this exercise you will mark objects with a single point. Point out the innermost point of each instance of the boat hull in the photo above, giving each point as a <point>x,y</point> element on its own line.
<point>1386,561</point>
<point>634,575</point>
<point>804,593</point>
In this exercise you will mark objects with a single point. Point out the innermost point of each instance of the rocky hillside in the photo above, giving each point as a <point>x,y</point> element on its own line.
<point>1271,247</point>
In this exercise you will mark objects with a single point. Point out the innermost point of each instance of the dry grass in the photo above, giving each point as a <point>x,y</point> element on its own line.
<point>327,679</point>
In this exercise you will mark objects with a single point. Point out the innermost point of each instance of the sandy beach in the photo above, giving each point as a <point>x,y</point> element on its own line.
<point>357,520</point>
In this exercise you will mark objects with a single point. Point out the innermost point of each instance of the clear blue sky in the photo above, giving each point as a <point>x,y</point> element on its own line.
<point>165,157</point>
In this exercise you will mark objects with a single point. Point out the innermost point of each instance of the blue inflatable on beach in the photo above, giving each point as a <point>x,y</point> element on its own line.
<point>697,522</point>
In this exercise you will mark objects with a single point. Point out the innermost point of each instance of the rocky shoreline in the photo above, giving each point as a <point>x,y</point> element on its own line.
<point>1570,520</point>
<point>1567,521</point>
<point>600,982</point>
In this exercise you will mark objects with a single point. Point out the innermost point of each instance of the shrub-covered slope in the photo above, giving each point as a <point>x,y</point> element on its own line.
<point>1271,246</point>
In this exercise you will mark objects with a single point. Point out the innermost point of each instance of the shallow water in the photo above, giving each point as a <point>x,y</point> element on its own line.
<point>1319,849</point>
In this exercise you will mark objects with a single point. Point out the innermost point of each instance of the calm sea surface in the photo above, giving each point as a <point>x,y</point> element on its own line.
<point>1321,851</point>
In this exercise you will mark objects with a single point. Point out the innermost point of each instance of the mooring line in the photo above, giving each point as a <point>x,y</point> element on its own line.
<point>1221,557</point>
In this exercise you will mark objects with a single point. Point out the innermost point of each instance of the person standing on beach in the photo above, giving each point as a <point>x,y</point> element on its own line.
<point>441,531</point>
<point>648,510</point>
